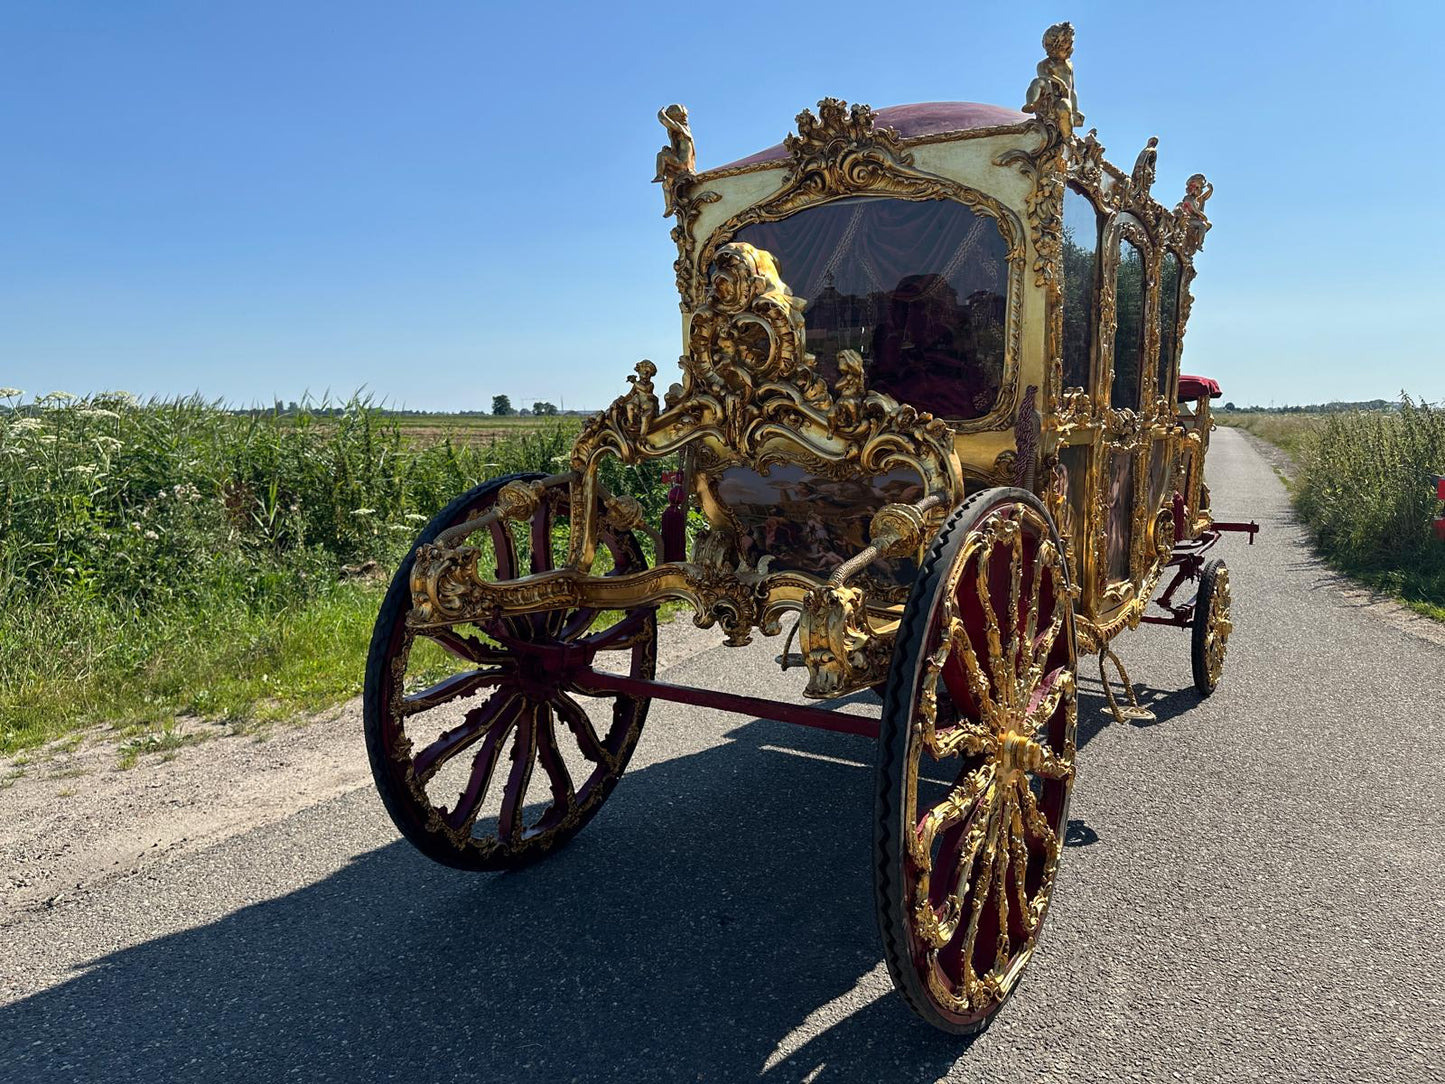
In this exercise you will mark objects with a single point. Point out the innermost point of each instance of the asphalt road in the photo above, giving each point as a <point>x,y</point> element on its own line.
<point>1255,890</point>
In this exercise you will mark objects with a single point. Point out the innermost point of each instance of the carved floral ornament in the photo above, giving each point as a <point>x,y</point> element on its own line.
<point>750,396</point>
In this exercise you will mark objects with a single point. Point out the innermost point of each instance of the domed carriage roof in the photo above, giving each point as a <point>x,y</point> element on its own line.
<point>916,120</point>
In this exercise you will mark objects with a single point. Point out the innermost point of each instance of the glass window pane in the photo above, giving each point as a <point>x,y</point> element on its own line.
<point>1081,257</point>
<point>918,287</point>
<point>1168,322</point>
<point>1129,330</point>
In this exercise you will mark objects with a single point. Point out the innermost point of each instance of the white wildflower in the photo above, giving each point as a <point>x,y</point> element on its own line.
<point>55,397</point>
<point>26,425</point>
<point>98,412</point>
<point>416,517</point>
<point>363,511</point>
<point>10,393</point>
<point>83,468</point>
<point>107,445</point>
<point>151,535</point>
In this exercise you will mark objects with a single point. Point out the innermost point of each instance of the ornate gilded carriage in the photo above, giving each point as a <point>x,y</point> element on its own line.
<point>929,407</point>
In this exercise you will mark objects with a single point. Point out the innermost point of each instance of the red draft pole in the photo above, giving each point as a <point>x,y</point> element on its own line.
<point>594,681</point>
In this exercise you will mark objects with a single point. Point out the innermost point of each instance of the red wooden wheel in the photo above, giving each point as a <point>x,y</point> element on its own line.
<point>976,755</point>
<point>484,754</point>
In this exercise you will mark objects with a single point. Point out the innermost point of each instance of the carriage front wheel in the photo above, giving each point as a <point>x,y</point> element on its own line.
<point>484,755</point>
<point>975,760</point>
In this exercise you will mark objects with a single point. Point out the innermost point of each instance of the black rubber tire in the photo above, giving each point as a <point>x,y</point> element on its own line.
<point>893,740</point>
<point>1203,603</point>
<point>399,804</point>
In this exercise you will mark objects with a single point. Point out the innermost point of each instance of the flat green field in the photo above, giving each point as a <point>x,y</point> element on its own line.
<point>477,429</point>
<point>169,559</point>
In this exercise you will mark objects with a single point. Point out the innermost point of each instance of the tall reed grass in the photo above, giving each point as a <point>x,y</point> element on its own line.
<point>1361,484</point>
<point>174,557</point>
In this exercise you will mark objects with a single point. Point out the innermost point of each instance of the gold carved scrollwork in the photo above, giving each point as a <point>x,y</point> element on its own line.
<point>750,396</point>
<point>840,649</point>
<point>1052,101</point>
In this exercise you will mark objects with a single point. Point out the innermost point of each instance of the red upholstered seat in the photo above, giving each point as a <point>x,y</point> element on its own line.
<point>1196,387</point>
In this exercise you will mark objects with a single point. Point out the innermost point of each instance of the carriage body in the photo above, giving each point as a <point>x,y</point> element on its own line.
<point>927,413</point>
<point>1069,286</point>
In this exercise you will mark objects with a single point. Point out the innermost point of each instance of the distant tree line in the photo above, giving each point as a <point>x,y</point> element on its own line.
<point>1316,408</point>
<point>501,408</point>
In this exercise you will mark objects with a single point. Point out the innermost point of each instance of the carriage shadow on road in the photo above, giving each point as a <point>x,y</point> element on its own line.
<point>719,902</point>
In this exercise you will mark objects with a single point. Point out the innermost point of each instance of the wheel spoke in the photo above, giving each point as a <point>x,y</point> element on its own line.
<point>1003,694</point>
<point>578,623</point>
<point>550,622</point>
<point>1034,817</point>
<point>981,892</point>
<point>449,689</point>
<point>1015,657</point>
<point>524,755</point>
<point>943,929</point>
<point>1047,700</point>
<point>963,739</point>
<point>1043,560</point>
<point>504,549</point>
<point>495,714</point>
<point>634,629</point>
<point>1002,855</point>
<point>575,716</point>
<point>956,808</point>
<point>484,764</point>
<point>978,683</point>
<point>550,757</point>
<point>1044,645</point>
<point>466,648</point>
<point>1048,764</point>
<point>1018,847</point>
<point>542,536</point>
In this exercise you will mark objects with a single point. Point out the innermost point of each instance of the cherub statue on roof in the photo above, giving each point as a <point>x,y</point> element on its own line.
<point>678,158</point>
<point>1052,91</point>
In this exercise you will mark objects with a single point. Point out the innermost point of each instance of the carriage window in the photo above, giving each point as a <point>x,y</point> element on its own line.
<point>1129,329</point>
<point>918,288</point>
<point>1168,322</point>
<point>1081,252</point>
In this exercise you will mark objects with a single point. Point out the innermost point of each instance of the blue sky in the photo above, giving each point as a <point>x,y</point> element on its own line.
<point>441,200</point>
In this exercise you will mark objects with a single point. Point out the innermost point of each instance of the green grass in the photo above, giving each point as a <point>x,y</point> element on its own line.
<point>1360,483</point>
<point>171,559</point>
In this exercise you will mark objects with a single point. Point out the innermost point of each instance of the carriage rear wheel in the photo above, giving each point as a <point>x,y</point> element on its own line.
<point>482,752</point>
<point>975,760</point>
<point>1212,626</point>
